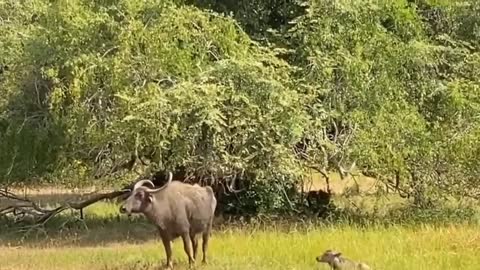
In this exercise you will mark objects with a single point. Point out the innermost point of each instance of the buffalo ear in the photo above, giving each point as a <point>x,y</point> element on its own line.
<point>149,197</point>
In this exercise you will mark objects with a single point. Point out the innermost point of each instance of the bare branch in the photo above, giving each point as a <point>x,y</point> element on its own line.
<point>287,198</point>
<point>335,136</point>
<point>231,186</point>
<point>28,208</point>
<point>324,173</point>
<point>345,172</point>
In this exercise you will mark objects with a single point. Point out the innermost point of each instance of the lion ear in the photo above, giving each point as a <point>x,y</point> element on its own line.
<point>338,254</point>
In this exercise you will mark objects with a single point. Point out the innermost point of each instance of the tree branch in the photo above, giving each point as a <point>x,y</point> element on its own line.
<point>40,215</point>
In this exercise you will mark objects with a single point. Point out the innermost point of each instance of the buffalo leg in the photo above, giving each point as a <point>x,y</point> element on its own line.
<point>187,246</point>
<point>205,237</point>
<point>167,244</point>
<point>194,239</point>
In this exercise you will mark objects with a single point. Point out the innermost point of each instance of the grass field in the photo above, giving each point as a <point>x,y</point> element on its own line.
<point>394,248</point>
<point>106,240</point>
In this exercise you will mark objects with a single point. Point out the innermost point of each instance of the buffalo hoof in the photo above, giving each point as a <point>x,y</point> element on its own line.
<point>167,266</point>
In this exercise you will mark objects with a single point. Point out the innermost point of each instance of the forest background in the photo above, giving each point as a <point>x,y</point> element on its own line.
<point>253,95</point>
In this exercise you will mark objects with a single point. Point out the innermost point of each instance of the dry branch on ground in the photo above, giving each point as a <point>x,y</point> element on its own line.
<point>24,208</point>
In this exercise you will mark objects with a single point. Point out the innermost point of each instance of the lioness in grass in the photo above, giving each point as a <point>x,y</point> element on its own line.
<point>337,262</point>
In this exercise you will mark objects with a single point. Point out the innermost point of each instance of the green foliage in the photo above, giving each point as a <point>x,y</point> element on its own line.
<point>229,117</point>
<point>378,74</point>
<point>98,89</point>
<point>259,18</point>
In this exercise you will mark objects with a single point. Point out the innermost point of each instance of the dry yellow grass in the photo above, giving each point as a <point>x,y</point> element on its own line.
<point>316,181</point>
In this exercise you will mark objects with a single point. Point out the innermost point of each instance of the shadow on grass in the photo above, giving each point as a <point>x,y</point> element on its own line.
<point>134,266</point>
<point>93,231</point>
<point>150,266</point>
<point>68,230</point>
<point>103,224</point>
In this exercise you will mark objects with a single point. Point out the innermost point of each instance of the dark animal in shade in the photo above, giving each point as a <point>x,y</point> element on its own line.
<point>178,210</point>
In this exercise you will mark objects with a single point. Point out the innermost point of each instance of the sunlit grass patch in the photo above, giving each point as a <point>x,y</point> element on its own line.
<point>107,240</point>
<point>425,247</point>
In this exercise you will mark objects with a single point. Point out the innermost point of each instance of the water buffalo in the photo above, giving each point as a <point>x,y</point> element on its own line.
<point>177,209</point>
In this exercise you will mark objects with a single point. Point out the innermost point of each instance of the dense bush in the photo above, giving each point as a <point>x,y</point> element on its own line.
<point>100,89</point>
